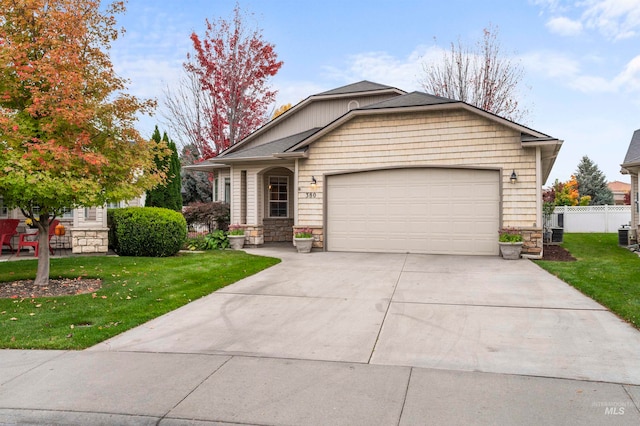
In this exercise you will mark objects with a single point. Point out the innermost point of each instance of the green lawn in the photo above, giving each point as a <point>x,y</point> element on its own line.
<point>134,290</point>
<point>604,271</point>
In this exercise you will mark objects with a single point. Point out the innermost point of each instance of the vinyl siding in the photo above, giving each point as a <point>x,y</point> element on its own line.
<point>316,114</point>
<point>440,138</point>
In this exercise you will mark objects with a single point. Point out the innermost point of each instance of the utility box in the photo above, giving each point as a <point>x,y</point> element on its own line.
<point>623,236</point>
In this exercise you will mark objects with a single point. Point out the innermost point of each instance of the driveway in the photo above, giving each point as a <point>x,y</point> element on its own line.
<point>444,312</point>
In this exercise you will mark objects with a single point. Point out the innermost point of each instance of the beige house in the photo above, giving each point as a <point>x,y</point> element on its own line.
<point>371,168</point>
<point>619,191</point>
<point>631,167</point>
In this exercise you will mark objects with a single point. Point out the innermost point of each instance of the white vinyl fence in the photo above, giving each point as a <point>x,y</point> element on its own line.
<point>592,218</point>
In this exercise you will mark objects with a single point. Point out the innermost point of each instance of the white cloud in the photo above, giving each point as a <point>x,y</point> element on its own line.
<point>557,66</point>
<point>382,67</point>
<point>564,26</point>
<point>550,64</point>
<point>614,19</point>
<point>629,78</point>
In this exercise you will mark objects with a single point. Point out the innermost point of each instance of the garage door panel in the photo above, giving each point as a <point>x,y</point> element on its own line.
<point>452,211</point>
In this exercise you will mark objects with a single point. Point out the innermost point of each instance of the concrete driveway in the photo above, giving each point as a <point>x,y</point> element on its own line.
<point>444,312</point>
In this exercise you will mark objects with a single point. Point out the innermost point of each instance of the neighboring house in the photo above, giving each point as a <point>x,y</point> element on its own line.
<point>619,190</point>
<point>631,167</point>
<point>86,228</point>
<point>372,168</point>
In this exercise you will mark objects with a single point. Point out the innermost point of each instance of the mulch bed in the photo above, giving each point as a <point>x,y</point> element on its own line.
<point>24,289</point>
<point>557,253</point>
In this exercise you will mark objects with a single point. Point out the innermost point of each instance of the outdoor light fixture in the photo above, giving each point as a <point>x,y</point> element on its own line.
<point>514,177</point>
<point>313,181</point>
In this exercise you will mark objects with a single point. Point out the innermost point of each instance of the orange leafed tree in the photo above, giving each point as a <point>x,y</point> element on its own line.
<point>67,136</point>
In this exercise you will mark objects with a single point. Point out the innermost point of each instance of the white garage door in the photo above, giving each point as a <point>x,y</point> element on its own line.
<point>437,211</point>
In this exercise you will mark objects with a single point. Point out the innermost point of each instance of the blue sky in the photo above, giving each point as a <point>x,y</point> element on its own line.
<point>581,58</point>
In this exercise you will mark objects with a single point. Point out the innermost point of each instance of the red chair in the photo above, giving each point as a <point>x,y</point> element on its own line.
<point>35,243</point>
<point>7,231</point>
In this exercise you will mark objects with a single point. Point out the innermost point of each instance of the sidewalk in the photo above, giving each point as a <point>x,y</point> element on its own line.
<point>125,388</point>
<point>349,339</point>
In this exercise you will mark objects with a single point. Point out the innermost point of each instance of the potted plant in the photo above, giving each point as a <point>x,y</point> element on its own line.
<point>236,237</point>
<point>510,242</point>
<point>303,240</point>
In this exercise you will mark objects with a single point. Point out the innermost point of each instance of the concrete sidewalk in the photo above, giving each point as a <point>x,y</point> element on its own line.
<point>125,388</point>
<point>349,338</point>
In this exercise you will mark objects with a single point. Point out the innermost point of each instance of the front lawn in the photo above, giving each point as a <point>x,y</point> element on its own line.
<point>607,273</point>
<point>134,290</point>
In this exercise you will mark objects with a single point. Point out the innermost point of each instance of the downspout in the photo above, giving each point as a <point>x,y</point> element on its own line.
<point>538,187</point>
<point>295,193</point>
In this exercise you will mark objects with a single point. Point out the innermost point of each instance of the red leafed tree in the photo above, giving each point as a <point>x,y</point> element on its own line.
<point>233,65</point>
<point>67,136</point>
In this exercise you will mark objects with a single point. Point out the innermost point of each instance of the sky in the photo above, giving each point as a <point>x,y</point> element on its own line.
<point>581,59</point>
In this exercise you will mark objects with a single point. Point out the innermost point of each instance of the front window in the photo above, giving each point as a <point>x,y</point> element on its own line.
<point>227,190</point>
<point>278,196</point>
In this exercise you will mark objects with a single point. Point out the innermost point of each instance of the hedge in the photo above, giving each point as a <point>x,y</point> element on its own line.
<point>146,231</point>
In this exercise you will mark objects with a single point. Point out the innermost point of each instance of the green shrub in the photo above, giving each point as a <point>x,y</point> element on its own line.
<point>146,231</point>
<point>213,241</point>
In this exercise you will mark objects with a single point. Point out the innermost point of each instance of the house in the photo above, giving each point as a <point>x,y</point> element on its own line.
<point>372,168</point>
<point>86,228</point>
<point>631,167</point>
<point>620,190</point>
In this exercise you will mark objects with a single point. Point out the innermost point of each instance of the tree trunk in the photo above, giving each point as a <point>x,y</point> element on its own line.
<point>42,276</point>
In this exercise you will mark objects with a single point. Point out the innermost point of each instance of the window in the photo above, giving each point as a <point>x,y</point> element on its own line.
<point>67,213</point>
<point>114,205</point>
<point>278,196</point>
<point>227,190</point>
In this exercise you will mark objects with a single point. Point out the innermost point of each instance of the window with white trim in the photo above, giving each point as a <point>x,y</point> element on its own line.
<point>278,196</point>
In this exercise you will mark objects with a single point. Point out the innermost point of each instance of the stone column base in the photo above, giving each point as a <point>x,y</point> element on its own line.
<point>89,240</point>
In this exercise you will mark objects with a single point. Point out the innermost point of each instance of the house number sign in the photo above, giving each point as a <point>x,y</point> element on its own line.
<point>310,194</point>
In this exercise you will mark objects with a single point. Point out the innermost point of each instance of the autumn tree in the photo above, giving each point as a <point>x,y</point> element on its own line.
<point>233,64</point>
<point>481,76</point>
<point>281,110</point>
<point>168,194</point>
<point>592,182</point>
<point>187,109</point>
<point>67,136</point>
<point>566,193</point>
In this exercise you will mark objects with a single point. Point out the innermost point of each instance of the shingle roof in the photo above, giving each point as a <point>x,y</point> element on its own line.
<point>409,100</point>
<point>268,149</point>
<point>633,153</point>
<point>361,86</point>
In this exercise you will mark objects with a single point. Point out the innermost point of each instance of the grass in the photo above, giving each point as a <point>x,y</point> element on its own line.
<point>134,290</point>
<point>607,273</point>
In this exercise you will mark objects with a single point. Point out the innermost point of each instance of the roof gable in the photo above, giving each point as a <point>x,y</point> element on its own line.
<point>633,153</point>
<point>361,86</point>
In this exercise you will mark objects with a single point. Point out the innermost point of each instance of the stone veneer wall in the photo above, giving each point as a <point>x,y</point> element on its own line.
<point>89,240</point>
<point>532,243</point>
<point>316,231</point>
<point>277,230</point>
<point>253,235</point>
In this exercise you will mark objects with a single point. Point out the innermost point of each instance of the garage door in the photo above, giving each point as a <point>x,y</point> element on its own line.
<point>436,211</point>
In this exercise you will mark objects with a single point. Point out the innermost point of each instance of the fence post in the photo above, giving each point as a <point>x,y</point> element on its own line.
<point>606,218</point>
